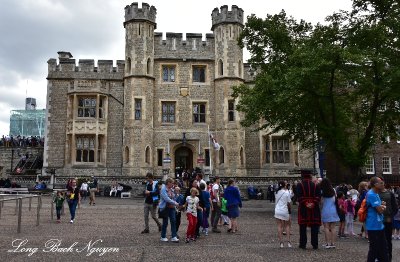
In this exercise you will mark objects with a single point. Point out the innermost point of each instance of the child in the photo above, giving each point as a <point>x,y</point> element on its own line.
<point>207,207</point>
<point>349,205</point>
<point>181,201</point>
<point>342,213</point>
<point>396,224</point>
<point>191,205</point>
<point>224,211</point>
<point>59,200</point>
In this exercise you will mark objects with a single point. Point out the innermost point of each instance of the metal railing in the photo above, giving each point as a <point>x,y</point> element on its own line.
<point>18,206</point>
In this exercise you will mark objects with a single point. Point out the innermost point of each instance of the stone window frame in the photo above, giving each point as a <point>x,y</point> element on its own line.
<point>370,165</point>
<point>168,114</point>
<point>386,165</point>
<point>126,155</point>
<point>138,110</point>
<point>199,114</point>
<point>220,67</point>
<point>99,109</point>
<point>160,154</point>
<point>272,153</point>
<point>199,66</point>
<point>221,155</point>
<point>231,111</point>
<point>85,150</point>
<point>241,156</point>
<point>169,67</point>
<point>87,109</point>
<point>147,155</point>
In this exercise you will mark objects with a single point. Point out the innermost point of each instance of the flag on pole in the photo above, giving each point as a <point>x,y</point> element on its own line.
<point>214,142</point>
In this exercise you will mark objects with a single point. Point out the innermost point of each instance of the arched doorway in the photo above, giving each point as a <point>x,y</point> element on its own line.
<point>183,159</point>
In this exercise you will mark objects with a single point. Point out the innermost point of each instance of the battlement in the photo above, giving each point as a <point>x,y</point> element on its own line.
<point>67,64</point>
<point>225,16</point>
<point>177,46</point>
<point>134,13</point>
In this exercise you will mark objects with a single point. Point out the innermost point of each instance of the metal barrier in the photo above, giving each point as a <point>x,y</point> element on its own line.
<point>18,207</point>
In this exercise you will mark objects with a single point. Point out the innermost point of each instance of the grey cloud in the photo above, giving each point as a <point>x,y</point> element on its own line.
<point>77,27</point>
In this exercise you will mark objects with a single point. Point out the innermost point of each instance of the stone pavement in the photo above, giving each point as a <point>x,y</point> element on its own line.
<point>113,226</point>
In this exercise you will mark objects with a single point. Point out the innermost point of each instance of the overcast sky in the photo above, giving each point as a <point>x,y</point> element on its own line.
<point>32,31</point>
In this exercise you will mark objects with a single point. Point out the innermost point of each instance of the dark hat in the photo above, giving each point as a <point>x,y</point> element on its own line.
<point>216,177</point>
<point>306,172</point>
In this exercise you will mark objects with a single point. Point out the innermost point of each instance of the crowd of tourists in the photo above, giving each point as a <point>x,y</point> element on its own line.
<point>320,204</point>
<point>21,141</point>
<point>208,207</point>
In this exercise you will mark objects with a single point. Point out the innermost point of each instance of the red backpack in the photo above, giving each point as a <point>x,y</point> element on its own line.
<point>362,212</point>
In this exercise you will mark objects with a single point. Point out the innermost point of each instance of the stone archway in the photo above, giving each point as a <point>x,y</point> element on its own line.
<point>183,159</point>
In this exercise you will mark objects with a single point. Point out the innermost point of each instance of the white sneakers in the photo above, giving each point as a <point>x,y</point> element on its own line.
<point>289,244</point>
<point>72,221</point>
<point>281,245</point>
<point>174,239</point>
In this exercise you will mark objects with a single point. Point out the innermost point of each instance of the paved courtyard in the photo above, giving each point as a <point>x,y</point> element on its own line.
<point>113,227</point>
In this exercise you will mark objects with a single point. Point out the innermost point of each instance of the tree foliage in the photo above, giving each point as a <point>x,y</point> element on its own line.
<point>338,80</point>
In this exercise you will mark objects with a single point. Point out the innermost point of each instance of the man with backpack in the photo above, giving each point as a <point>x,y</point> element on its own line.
<point>152,197</point>
<point>374,222</point>
<point>391,209</point>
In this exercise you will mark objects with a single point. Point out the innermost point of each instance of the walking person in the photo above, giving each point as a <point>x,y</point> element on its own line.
<point>59,200</point>
<point>207,208</point>
<point>192,206</point>
<point>167,209</point>
<point>329,213</point>
<point>93,188</point>
<point>309,214</point>
<point>233,203</point>
<point>388,197</point>
<point>216,203</point>
<point>84,189</point>
<point>73,199</point>
<point>151,200</point>
<point>374,224</point>
<point>282,213</point>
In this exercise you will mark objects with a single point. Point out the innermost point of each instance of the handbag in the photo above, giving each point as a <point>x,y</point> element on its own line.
<point>163,213</point>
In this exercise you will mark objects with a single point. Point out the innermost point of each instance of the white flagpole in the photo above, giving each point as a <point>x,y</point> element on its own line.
<point>209,149</point>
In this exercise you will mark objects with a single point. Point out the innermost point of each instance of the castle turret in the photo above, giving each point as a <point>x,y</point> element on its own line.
<point>138,85</point>
<point>227,26</point>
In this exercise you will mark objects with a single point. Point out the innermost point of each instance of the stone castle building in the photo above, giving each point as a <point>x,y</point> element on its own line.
<point>154,110</point>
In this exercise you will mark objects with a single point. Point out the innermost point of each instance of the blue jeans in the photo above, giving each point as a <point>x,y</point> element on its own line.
<point>199,222</point>
<point>72,207</point>
<point>172,218</point>
<point>58,212</point>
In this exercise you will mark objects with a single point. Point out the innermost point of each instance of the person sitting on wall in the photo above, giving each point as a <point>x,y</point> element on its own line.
<point>119,190</point>
<point>113,191</point>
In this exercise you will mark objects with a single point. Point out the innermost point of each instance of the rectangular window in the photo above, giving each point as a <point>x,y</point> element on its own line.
<point>207,157</point>
<point>267,151</point>
<point>386,165</point>
<point>199,74</point>
<point>101,107</point>
<point>87,107</point>
<point>138,109</point>
<point>159,157</point>
<point>85,148</point>
<point>199,112</point>
<point>168,112</point>
<point>280,150</point>
<point>369,165</point>
<point>168,73</point>
<point>231,110</point>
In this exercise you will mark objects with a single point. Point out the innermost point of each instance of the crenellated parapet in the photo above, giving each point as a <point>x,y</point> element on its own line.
<point>67,64</point>
<point>176,46</point>
<point>225,16</point>
<point>146,13</point>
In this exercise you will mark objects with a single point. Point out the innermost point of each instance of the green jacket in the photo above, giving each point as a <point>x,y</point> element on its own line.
<point>59,200</point>
<point>223,205</point>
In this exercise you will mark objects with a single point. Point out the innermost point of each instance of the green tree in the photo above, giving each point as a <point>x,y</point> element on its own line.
<point>338,81</point>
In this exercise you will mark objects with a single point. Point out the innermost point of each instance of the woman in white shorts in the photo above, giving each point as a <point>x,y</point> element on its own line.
<point>282,213</point>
